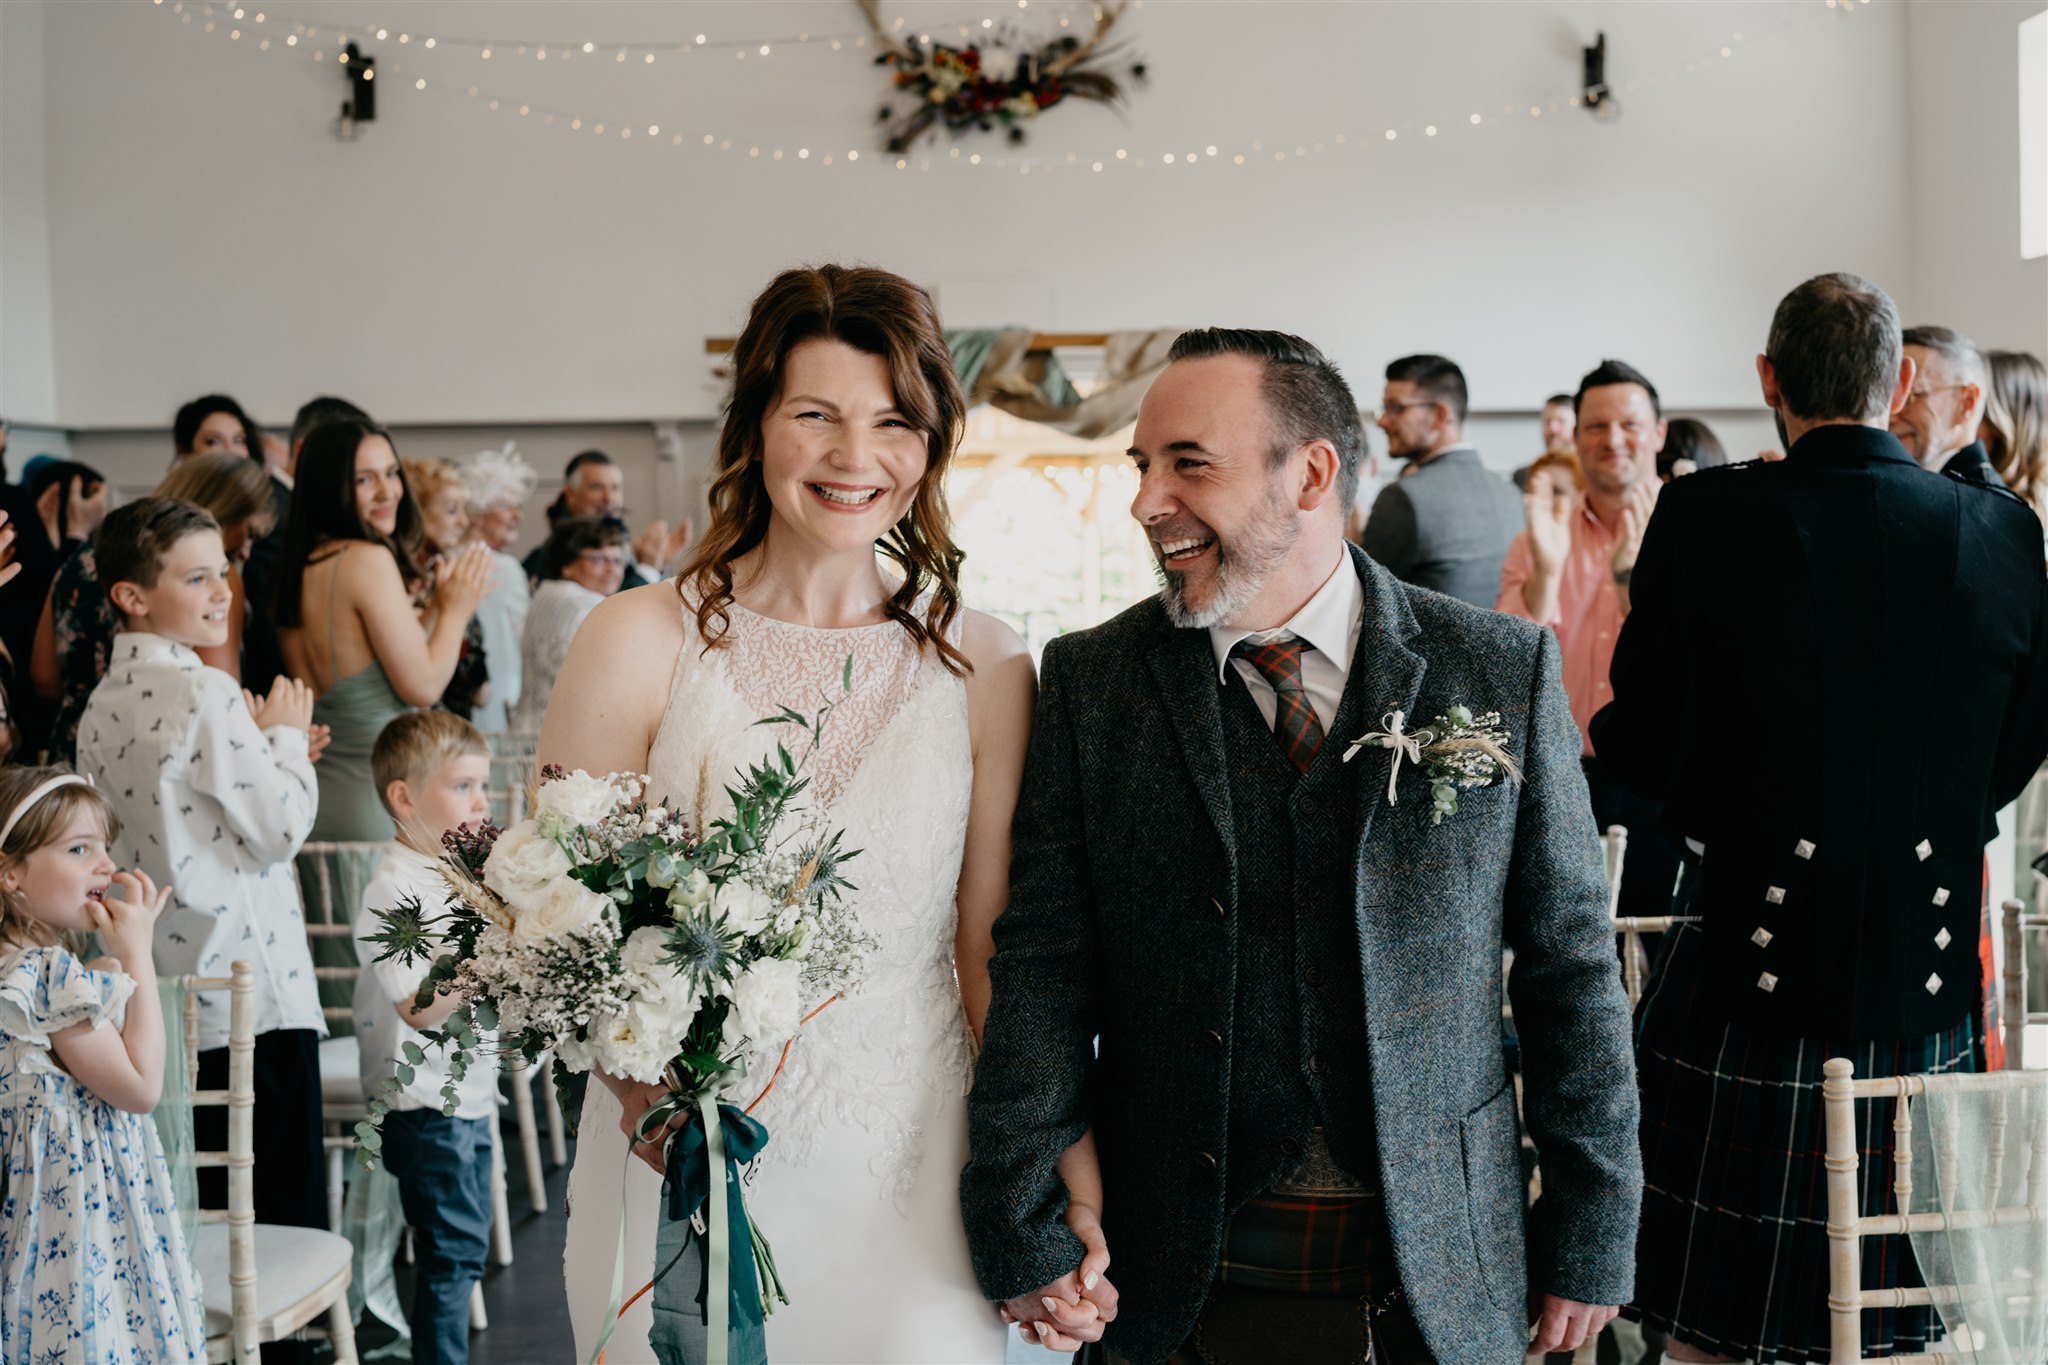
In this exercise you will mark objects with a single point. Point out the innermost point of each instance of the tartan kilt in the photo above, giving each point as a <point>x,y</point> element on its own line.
<point>1732,1256</point>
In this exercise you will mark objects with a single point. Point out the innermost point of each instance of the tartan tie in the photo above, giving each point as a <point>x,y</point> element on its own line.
<point>1294,720</point>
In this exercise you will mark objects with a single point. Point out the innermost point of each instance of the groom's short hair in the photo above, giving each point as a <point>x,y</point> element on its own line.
<point>1305,394</point>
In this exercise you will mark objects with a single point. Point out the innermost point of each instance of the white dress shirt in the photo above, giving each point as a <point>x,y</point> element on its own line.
<point>215,809</point>
<point>381,1035</point>
<point>1330,621</point>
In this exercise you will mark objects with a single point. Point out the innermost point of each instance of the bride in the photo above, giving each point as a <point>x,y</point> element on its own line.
<point>843,419</point>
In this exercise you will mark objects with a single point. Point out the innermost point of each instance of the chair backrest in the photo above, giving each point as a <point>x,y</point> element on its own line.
<point>331,881</point>
<point>512,766</point>
<point>1614,849</point>
<point>2012,1004</point>
<point>1847,1225</point>
<point>240,1156</point>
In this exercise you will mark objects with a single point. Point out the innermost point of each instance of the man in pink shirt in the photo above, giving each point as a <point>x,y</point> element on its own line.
<point>1570,571</point>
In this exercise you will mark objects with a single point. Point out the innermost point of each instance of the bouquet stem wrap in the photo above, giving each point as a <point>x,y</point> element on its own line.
<point>733,1294</point>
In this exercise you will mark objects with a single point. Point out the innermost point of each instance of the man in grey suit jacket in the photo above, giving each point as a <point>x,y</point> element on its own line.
<point>1446,522</point>
<point>1269,990</point>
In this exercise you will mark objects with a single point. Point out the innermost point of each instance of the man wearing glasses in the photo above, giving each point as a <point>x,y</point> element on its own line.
<point>1445,524</point>
<point>1946,403</point>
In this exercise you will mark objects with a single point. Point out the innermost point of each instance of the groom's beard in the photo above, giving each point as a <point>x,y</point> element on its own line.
<point>1243,560</point>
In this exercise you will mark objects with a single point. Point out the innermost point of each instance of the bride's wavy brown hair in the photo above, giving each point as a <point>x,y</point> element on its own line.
<point>884,315</point>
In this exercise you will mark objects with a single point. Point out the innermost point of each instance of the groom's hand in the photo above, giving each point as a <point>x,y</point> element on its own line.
<point>1564,1324</point>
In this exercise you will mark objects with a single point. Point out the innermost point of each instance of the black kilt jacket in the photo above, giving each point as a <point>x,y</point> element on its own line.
<point>1121,927</point>
<point>1833,675</point>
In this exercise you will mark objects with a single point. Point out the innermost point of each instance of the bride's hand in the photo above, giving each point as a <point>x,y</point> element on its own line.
<point>635,1099</point>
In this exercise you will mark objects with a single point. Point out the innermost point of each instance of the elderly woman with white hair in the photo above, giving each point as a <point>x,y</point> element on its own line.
<point>499,484</point>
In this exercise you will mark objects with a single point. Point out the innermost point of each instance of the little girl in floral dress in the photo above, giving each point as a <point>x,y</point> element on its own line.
<point>93,1264</point>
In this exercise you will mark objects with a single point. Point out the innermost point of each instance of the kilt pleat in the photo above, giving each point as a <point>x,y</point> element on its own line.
<point>1732,1256</point>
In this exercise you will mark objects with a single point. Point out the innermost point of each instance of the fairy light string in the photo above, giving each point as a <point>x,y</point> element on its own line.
<point>265,30</point>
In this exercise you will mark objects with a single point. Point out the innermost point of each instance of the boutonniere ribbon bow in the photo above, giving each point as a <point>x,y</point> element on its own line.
<point>1457,751</point>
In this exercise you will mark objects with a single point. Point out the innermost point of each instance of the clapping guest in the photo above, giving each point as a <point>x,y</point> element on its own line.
<point>1689,446</point>
<point>1938,424</point>
<point>593,486</point>
<point>499,485</point>
<point>2015,426</point>
<point>345,616</point>
<point>584,562</point>
<point>77,630</point>
<point>1446,522</point>
<point>262,661</point>
<point>66,502</point>
<point>444,525</point>
<point>1570,570</point>
<point>1834,864</point>
<point>214,422</point>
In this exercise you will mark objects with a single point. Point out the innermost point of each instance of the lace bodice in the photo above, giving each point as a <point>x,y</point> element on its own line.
<point>894,772</point>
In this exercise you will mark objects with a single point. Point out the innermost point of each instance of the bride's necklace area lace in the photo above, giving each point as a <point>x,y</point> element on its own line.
<point>773,664</point>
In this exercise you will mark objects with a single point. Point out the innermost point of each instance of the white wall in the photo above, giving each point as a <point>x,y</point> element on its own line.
<point>28,390</point>
<point>460,266</point>
<point>1963,68</point>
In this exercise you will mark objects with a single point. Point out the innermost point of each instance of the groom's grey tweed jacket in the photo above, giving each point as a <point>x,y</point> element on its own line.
<point>1122,926</point>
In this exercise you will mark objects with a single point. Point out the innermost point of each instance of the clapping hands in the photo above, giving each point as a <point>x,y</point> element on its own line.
<point>1549,502</point>
<point>8,568</point>
<point>290,703</point>
<point>1636,507</point>
<point>657,546</point>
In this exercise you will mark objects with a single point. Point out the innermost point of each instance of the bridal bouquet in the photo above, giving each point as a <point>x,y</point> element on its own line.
<point>633,937</point>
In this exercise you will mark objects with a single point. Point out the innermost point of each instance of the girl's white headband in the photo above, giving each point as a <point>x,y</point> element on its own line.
<point>22,808</point>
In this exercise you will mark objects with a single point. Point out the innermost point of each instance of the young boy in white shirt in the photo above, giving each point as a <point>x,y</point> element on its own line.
<point>431,769</point>
<point>215,790</point>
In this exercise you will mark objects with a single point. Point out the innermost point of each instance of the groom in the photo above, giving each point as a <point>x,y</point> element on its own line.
<point>1272,992</point>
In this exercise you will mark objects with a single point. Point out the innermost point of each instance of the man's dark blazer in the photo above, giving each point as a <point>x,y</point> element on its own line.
<point>1122,926</point>
<point>1833,675</point>
<point>1973,462</point>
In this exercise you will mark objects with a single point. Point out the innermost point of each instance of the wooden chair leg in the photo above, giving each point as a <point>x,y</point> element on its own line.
<point>529,1135</point>
<point>501,1212</point>
<point>341,1330</point>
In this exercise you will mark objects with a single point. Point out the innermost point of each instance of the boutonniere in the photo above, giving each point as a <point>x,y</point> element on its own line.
<point>1457,751</point>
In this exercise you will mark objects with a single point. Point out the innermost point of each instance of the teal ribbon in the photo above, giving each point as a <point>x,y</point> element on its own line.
<point>732,1303</point>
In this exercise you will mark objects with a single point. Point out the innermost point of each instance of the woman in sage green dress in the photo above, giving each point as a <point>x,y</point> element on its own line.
<point>345,614</point>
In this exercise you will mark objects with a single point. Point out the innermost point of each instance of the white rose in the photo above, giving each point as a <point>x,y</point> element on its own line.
<point>634,1042</point>
<point>746,909</point>
<point>574,802</point>
<point>523,864</point>
<point>566,906</point>
<point>766,1006</point>
<point>650,979</point>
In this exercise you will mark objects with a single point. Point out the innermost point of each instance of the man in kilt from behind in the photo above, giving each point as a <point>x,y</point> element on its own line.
<point>1834,676</point>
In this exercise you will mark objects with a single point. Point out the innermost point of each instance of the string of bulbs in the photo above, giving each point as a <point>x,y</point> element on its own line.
<point>237,21</point>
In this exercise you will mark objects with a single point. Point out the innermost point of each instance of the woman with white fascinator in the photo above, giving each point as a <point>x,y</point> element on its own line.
<point>500,482</point>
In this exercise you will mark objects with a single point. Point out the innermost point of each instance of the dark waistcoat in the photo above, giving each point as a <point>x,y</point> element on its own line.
<point>1298,1047</point>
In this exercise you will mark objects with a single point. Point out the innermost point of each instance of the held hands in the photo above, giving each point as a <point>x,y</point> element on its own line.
<point>463,579</point>
<point>1550,502</point>
<point>317,737</point>
<point>1635,517</point>
<point>1071,1311</point>
<point>290,703</point>
<point>1564,1324</point>
<point>127,925</point>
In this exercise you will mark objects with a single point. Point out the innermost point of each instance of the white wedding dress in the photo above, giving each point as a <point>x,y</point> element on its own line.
<point>858,1188</point>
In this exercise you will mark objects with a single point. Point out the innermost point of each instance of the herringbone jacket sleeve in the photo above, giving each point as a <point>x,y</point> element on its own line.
<point>1578,1063</point>
<point>1029,1104</point>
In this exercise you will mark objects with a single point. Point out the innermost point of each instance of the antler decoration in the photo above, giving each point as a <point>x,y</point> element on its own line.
<point>974,88</point>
